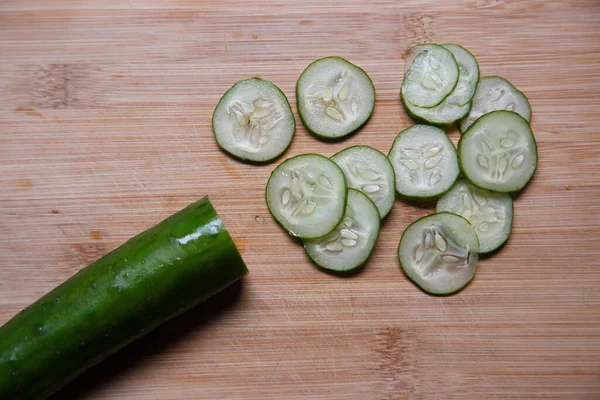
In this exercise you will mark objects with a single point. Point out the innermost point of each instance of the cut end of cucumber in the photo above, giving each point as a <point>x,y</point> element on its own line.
<point>306,194</point>
<point>352,241</point>
<point>498,152</point>
<point>424,161</point>
<point>431,77</point>
<point>335,97</point>
<point>489,213</point>
<point>438,253</point>
<point>369,170</point>
<point>494,94</point>
<point>253,121</point>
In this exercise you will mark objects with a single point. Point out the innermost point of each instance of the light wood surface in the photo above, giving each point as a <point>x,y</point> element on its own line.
<point>105,110</point>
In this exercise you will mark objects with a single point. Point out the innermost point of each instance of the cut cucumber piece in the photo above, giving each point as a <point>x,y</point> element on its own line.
<point>438,253</point>
<point>458,103</point>
<point>151,278</point>
<point>489,213</point>
<point>495,93</point>
<point>306,194</point>
<point>335,97</point>
<point>431,77</point>
<point>498,152</point>
<point>369,171</point>
<point>253,121</point>
<point>352,241</point>
<point>424,161</point>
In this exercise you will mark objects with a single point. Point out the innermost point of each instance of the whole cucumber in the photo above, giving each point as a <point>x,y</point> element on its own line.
<point>151,278</point>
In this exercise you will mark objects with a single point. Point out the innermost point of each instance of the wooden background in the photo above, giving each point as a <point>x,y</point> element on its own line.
<point>105,110</point>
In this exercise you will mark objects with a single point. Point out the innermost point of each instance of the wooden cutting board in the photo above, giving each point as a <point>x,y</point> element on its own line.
<point>105,111</point>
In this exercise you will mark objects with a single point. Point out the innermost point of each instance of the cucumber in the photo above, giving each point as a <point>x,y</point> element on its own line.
<point>307,194</point>
<point>424,161</point>
<point>431,76</point>
<point>439,252</point>
<point>335,98</point>
<point>253,121</point>
<point>489,213</point>
<point>458,103</point>
<point>352,241</point>
<point>369,171</point>
<point>495,93</point>
<point>498,152</point>
<point>122,296</point>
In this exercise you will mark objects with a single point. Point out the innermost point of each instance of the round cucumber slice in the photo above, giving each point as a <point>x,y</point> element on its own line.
<point>489,213</point>
<point>253,121</point>
<point>369,171</point>
<point>438,253</point>
<point>498,152</point>
<point>424,161</point>
<point>335,97</point>
<point>495,93</point>
<point>431,77</point>
<point>458,103</point>
<point>306,194</point>
<point>352,241</point>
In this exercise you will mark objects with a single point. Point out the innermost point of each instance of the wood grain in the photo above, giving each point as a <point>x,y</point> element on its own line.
<point>105,112</point>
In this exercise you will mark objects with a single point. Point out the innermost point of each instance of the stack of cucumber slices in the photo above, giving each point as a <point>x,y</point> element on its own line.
<point>335,205</point>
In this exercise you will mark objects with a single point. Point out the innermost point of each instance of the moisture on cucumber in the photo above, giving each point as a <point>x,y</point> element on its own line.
<point>424,161</point>
<point>307,194</point>
<point>498,152</point>
<point>439,253</point>
<point>431,76</point>
<point>495,93</point>
<point>335,98</point>
<point>253,121</point>
<point>458,102</point>
<point>153,277</point>
<point>369,171</point>
<point>489,213</point>
<point>352,241</point>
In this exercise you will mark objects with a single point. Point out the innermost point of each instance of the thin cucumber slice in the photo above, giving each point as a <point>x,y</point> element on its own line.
<point>335,97</point>
<point>495,93</point>
<point>458,103</point>
<point>498,152</point>
<point>438,253</point>
<point>307,195</point>
<point>253,121</point>
<point>431,77</point>
<point>424,161</point>
<point>489,213</point>
<point>369,171</point>
<point>352,241</point>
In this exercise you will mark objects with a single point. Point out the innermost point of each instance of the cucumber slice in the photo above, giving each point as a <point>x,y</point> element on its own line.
<point>438,253</point>
<point>424,161</point>
<point>431,77</point>
<point>335,97</point>
<point>489,213</point>
<point>498,152</point>
<point>307,194</point>
<point>352,241</point>
<point>495,93</point>
<point>458,103</point>
<point>253,121</point>
<point>369,171</point>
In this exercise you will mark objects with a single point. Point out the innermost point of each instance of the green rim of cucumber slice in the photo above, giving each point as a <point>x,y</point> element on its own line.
<point>335,98</point>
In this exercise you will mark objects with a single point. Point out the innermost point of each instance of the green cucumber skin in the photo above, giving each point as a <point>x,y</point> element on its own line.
<point>420,120</point>
<point>322,136</point>
<point>151,278</point>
